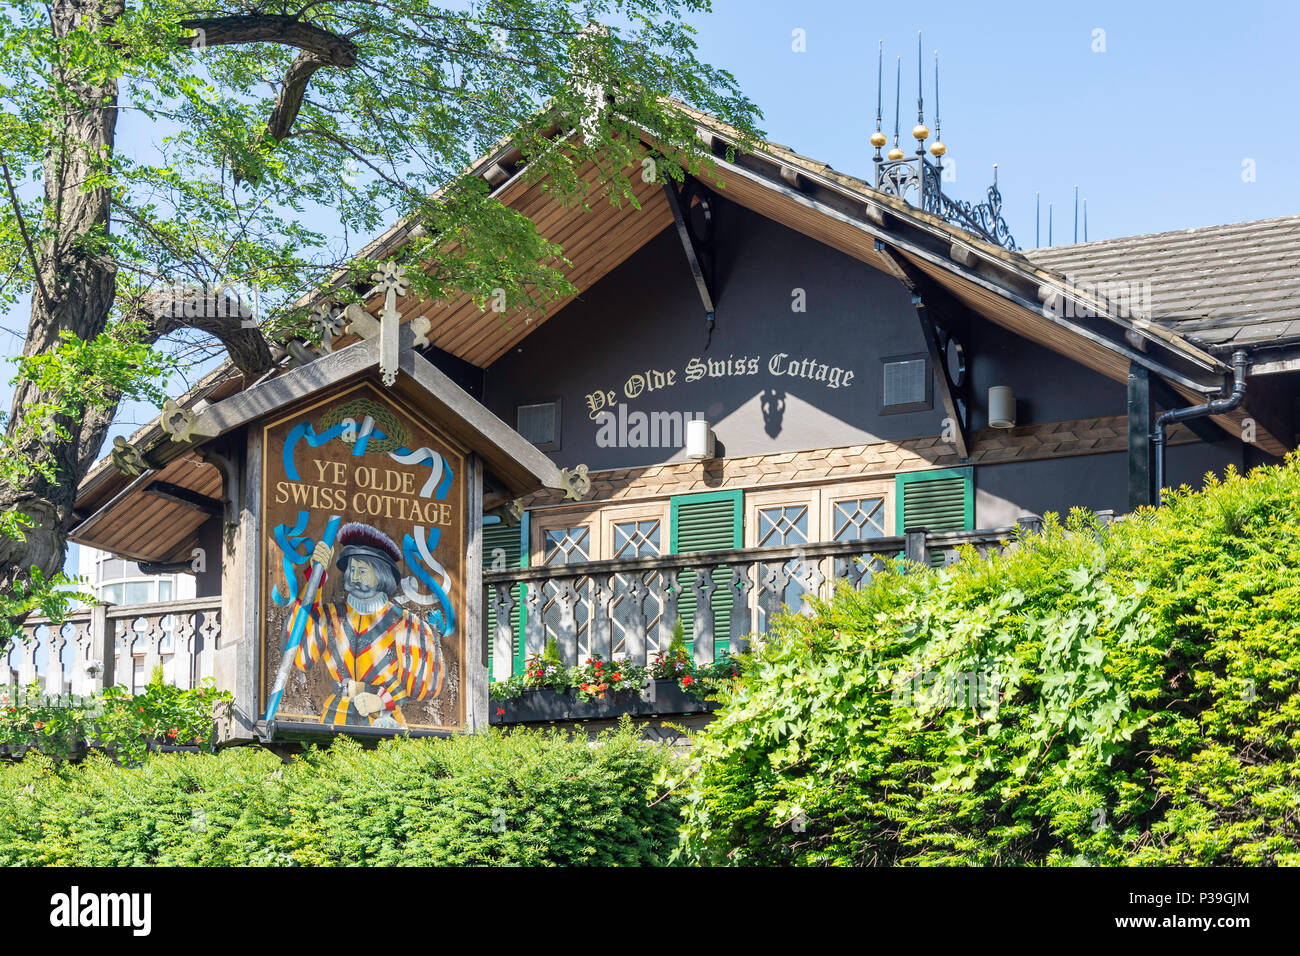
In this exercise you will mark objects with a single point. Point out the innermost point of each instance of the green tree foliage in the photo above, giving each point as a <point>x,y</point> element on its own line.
<point>156,153</point>
<point>1123,694</point>
<point>525,798</point>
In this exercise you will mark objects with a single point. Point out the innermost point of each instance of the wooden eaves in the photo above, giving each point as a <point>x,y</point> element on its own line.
<point>510,457</point>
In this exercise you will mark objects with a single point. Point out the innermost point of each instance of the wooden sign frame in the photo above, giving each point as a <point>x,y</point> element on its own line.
<point>405,516</point>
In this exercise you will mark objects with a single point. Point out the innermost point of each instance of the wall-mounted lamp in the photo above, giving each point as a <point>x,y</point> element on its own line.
<point>1002,407</point>
<point>699,439</point>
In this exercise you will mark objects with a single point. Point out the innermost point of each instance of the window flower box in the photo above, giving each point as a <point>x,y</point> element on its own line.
<point>544,704</point>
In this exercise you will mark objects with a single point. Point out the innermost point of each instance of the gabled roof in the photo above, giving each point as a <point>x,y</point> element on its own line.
<point>513,459</point>
<point>1220,287</point>
<point>839,210</point>
<point>1199,313</point>
<point>152,517</point>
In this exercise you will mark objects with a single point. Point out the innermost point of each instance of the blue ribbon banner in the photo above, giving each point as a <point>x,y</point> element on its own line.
<point>296,545</point>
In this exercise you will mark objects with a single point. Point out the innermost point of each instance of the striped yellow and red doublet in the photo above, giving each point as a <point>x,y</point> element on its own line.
<point>393,652</point>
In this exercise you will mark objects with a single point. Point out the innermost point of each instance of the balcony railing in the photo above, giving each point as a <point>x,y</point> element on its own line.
<point>113,645</point>
<point>628,609</point>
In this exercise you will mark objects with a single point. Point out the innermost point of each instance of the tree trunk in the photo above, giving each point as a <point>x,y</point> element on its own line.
<point>74,291</point>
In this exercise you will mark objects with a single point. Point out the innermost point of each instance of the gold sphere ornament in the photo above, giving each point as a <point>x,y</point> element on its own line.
<point>896,153</point>
<point>878,139</point>
<point>920,132</point>
<point>937,148</point>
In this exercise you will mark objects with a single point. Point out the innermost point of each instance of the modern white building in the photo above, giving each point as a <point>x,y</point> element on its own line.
<point>121,582</point>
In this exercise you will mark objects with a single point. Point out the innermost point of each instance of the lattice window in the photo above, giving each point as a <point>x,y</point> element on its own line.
<point>566,546</point>
<point>858,519</point>
<point>563,546</point>
<point>637,539</point>
<point>778,527</point>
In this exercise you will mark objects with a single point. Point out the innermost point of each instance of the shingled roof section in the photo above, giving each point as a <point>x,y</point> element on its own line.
<point>1221,287</point>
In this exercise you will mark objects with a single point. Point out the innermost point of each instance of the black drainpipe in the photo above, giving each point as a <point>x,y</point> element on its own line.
<point>1216,407</point>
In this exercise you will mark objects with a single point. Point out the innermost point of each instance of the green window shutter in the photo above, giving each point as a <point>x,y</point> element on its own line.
<point>707,522</point>
<point>503,548</point>
<point>941,500</point>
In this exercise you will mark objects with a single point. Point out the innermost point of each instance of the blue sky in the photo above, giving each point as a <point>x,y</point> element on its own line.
<point>1154,130</point>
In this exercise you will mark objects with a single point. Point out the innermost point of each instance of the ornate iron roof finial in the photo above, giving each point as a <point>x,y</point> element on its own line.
<point>919,131</point>
<point>920,98</point>
<point>898,175</point>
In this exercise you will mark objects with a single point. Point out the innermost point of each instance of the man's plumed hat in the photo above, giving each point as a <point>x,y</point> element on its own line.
<point>358,540</point>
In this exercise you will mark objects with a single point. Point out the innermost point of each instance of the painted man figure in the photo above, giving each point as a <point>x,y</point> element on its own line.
<point>380,654</point>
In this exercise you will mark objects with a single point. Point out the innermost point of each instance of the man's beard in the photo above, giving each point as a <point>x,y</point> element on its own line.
<point>367,605</point>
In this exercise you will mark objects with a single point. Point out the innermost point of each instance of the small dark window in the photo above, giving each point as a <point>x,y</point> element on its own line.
<point>907,384</point>
<point>540,424</point>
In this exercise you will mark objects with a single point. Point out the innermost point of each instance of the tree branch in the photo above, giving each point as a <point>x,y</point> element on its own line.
<point>319,48</point>
<point>164,313</point>
<point>292,92</point>
<point>27,239</point>
<point>332,49</point>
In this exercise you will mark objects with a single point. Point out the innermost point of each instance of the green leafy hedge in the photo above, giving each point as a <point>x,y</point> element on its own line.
<point>1123,694</point>
<point>525,798</point>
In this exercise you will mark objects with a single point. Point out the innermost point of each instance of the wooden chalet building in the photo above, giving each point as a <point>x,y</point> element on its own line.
<point>761,386</point>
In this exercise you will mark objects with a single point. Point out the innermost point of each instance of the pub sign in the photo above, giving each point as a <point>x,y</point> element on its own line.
<point>363,553</point>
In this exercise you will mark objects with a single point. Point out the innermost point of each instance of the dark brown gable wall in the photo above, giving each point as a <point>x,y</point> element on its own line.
<point>646,317</point>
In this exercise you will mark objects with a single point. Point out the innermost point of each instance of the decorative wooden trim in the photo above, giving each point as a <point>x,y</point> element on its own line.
<point>1063,439</point>
<point>474,669</point>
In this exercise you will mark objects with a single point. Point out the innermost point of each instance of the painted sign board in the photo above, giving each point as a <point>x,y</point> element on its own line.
<point>363,566</point>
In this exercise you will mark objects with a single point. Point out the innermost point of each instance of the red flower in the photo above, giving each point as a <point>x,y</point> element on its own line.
<point>617,676</point>
<point>39,724</point>
<point>171,731</point>
<point>500,711</point>
<point>688,680</point>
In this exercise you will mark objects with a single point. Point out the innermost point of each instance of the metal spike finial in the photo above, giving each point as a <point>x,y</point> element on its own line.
<point>878,138</point>
<point>880,74</point>
<point>937,127</point>
<point>898,84</point>
<point>920,101</point>
<point>921,177</point>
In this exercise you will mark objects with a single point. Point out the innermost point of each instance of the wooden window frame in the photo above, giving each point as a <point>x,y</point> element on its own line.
<point>757,501</point>
<point>882,488</point>
<point>544,521</point>
<point>623,514</point>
